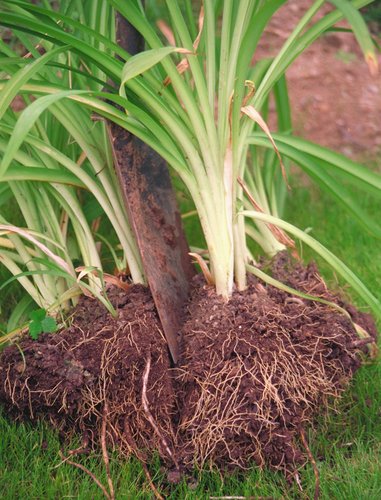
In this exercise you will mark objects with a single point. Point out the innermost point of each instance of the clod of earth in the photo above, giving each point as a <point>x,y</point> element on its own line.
<point>99,362</point>
<point>253,373</point>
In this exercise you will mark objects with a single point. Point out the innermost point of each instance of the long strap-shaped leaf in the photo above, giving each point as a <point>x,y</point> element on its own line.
<point>361,32</point>
<point>11,88</point>
<point>318,167</point>
<point>25,123</point>
<point>336,160</point>
<point>320,249</point>
<point>20,173</point>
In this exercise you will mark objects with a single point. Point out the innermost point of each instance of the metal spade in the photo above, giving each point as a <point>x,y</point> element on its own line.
<point>154,215</point>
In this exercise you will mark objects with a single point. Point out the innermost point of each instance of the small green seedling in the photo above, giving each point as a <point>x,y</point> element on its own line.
<point>40,323</point>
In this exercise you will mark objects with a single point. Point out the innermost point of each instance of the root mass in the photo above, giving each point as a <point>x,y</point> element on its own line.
<point>253,374</point>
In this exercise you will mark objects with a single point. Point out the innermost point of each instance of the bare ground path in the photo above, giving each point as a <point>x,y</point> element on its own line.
<point>336,102</point>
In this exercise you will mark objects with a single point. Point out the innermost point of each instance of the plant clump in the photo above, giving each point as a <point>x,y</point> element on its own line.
<point>253,373</point>
<point>259,357</point>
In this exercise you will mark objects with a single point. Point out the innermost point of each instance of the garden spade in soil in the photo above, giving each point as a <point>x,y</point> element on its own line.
<point>152,209</point>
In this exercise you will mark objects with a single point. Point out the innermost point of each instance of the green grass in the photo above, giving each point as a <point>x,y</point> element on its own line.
<point>346,443</point>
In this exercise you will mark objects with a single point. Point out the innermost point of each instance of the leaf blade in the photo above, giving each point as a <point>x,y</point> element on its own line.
<point>143,61</point>
<point>320,249</point>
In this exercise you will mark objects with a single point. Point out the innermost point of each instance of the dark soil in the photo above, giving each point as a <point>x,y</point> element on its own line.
<point>253,373</point>
<point>93,371</point>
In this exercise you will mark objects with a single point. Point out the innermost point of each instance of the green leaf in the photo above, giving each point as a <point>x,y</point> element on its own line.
<point>5,62</point>
<point>320,249</point>
<point>38,272</point>
<point>38,315</point>
<point>318,162</point>
<point>360,31</point>
<point>41,174</point>
<point>35,329</point>
<point>20,313</point>
<point>11,88</point>
<point>26,121</point>
<point>339,162</point>
<point>49,325</point>
<point>29,235</point>
<point>57,35</point>
<point>144,61</point>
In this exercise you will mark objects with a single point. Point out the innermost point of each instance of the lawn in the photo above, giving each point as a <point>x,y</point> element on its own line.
<point>346,443</point>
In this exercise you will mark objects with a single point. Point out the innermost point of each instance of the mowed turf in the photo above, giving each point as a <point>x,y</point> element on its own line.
<point>346,443</point>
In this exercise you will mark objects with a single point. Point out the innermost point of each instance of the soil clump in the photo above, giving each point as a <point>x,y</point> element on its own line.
<point>256,371</point>
<point>253,373</point>
<point>89,376</point>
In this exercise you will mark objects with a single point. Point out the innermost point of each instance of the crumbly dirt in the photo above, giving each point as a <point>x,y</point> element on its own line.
<point>335,101</point>
<point>253,373</point>
<point>92,373</point>
<point>256,370</point>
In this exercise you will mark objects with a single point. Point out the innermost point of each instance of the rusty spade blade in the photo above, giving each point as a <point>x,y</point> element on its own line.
<point>154,215</point>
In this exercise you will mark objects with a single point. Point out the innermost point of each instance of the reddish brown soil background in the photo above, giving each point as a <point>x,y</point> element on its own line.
<point>335,100</point>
